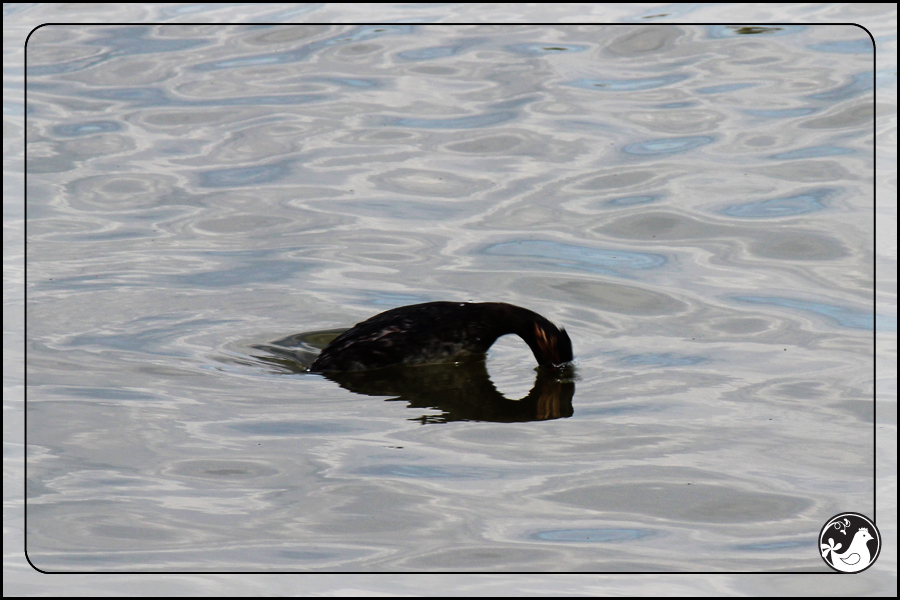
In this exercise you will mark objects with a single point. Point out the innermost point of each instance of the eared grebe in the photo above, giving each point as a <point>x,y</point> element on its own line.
<point>440,332</point>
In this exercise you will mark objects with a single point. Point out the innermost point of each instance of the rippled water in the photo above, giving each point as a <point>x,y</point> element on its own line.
<point>693,203</point>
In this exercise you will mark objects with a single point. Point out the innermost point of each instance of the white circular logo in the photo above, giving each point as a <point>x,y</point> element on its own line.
<point>849,542</point>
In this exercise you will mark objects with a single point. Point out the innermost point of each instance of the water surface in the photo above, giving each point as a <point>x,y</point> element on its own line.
<point>694,204</point>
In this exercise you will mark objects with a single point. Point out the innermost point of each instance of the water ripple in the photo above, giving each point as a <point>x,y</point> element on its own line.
<point>779,207</point>
<point>845,317</point>
<point>812,152</point>
<point>668,145</point>
<point>543,49</point>
<point>592,535</point>
<point>581,258</point>
<point>627,85</point>
<point>472,122</point>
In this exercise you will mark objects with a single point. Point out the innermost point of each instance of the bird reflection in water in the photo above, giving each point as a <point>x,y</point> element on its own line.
<point>461,391</point>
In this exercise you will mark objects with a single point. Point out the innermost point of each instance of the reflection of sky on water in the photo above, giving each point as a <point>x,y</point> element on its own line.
<point>725,31</point>
<point>668,145</point>
<point>366,297</point>
<point>396,209</point>
<point>770,546</point>
<point>721,89</point>
<point>845,317</point>
<point>303,52</point>
<point>431,53</point>
<point>813,152</point>
<point>862,83</point>
<point>290,427</point>
<point>592,535</point>
<point>140,336</point>
<point>485,120</point>
<point>133,40</point>
<point>350,82</point>
<point>118,42</point>
<point>784,113</point>
<point>237,176</point>
<point>241,268</point>
<point>86,128</point>
<point>581,258</point>
<point>779,207</point>
<point>145,97</point>
<point>367,32</point>
<point>631,201</point>
<point>627,85</point>
<point>663,359</point>
<point>541,49</point>
<point>845,46</point>
<point>104,393</point>
<point>430,472</point>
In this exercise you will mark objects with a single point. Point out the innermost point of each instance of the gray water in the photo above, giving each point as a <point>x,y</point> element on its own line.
<point>693,203</point>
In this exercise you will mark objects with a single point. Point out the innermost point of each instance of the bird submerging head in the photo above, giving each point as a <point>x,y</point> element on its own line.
<point>441,332</point>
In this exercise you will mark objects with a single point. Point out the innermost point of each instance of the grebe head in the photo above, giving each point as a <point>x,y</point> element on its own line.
<point>552,347</point>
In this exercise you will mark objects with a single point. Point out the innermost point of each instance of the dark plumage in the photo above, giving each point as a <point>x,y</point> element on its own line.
<point>440,332</point>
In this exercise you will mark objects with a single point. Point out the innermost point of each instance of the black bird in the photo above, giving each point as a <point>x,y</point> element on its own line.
<point>441,332</point>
